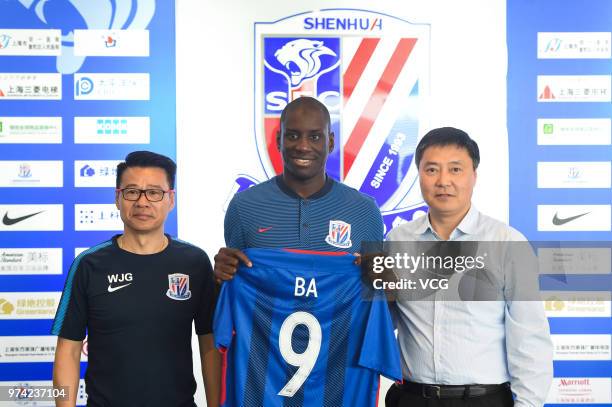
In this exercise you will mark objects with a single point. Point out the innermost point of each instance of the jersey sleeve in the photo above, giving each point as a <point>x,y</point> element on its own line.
<point>204,315</point>
<point>379,350</point>
<point>71,316</point>
<point>223,326</point>
<point>234,236</point>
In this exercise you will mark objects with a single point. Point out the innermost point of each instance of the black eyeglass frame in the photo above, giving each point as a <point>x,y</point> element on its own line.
<point>143,191</point>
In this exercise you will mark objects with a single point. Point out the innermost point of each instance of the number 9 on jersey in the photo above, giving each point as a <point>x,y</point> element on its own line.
<point>303,361</point>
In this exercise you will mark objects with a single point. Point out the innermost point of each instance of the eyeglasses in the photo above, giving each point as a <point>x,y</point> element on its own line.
<point>152,195</point>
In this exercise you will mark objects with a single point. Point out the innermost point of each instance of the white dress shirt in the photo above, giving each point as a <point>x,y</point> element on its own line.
<point>474,342</point>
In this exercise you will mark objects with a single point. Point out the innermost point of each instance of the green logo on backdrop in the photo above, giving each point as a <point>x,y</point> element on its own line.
<point>548,128</point>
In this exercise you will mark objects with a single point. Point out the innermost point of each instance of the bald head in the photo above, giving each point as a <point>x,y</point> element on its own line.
<point>305,103</point>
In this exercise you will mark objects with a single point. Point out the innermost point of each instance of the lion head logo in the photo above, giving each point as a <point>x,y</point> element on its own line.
<point>302,59</point>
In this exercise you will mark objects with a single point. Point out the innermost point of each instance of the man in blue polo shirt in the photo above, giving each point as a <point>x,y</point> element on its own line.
<point>302,208</point>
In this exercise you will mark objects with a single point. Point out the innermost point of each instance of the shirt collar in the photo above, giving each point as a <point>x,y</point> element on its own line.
<point>329,183</point>
<point>467,226</point>
<point>469,223</point>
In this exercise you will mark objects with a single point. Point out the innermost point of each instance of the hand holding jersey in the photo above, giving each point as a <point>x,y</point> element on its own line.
<point>227,262</point>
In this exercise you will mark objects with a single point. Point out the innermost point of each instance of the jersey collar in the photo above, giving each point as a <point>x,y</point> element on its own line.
<point>329,183</point>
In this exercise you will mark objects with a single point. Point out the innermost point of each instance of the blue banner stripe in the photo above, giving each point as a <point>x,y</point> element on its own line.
<point>34,283</point>
<point>30,371</point>
<point>61,311</point>
<point>583,368</point>
<point>581,405</point>
<point>586,282</point>
<point>580,325</point>
<point>25,327</point>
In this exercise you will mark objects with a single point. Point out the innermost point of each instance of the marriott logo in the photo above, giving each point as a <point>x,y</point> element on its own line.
<point>574,382</point>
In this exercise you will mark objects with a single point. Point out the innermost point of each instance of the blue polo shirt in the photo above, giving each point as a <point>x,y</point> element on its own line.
<point>272,215</point>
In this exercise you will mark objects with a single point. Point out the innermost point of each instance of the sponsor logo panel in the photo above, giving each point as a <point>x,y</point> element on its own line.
<point>43,217</point>
<point>574,218</point>
<point>574,88</point>
<point>574,174</point>
<point>25,349</point>
<point>561,304</point>
<point>30,261</point>
<point>97,217</point>
<point>580,390</point>
<point>115,43</point>
<point>574,45</point>
<point>30,86</point>
<point>567,260</point>
<point>574,132</point>
<point>581,347</point>
<point>79,250</point>
<point>116,86</point>
<point>23,384</point>
<point>30,130</point>
<point>18,42</point>
<point>95,173</point>
<point>112,130</point>
<point>29,305</point>
<point>16,174</point>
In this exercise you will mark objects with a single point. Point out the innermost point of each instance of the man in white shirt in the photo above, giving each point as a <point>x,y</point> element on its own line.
<point>465,353</point>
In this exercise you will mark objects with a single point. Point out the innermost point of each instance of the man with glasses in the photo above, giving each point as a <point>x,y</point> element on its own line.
<point>137,296</point>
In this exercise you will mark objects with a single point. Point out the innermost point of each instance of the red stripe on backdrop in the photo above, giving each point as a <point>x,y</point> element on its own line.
<point>377,101</point>
<point>271,127</point>
<point>357,66</point>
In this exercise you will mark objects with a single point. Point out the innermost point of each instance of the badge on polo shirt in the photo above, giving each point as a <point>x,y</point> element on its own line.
<point>178,287</point>
<point>339,234</point>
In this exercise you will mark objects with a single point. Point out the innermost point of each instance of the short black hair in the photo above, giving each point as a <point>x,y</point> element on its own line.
<point>448,136</point>
<point>148,159</point>
<point>306,101</point>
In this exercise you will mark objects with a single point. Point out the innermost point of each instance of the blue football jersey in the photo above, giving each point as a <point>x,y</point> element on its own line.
<point>298,330</point>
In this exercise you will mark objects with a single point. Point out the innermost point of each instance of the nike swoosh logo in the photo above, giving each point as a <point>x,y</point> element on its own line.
<point>561,221</point>
<point>261,230</point>
<point>8,221</point>
<point>119,287</point>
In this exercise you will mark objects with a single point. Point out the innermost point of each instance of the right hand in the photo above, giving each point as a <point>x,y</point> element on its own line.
<point>227,261</point>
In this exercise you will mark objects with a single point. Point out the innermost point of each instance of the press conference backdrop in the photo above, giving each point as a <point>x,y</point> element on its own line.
<point>81,85</point>
<point>387,75</point>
